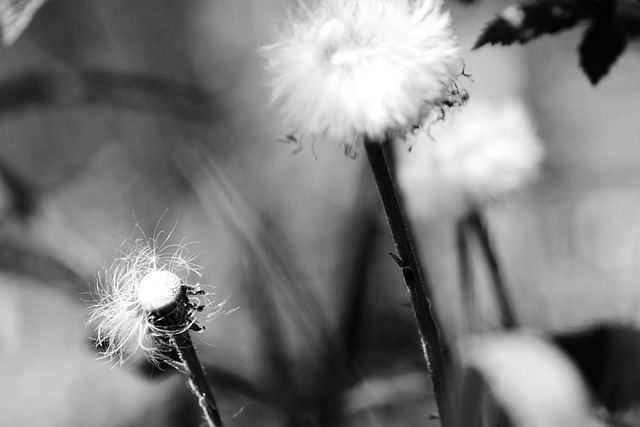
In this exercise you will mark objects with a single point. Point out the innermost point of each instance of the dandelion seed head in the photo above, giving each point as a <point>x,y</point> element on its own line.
<point>483,154</point>
<point>342,70</point>
<point>158,290</point>
<point>147,283</point>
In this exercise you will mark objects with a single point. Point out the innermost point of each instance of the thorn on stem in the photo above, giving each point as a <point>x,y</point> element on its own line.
<point>398,260</point>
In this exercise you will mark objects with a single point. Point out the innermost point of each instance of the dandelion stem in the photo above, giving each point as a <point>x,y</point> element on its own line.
<point>478,225</point>
<point>466,275</point>
<point>176,317</point>
<point>433,346</point>
<point>197,380</point>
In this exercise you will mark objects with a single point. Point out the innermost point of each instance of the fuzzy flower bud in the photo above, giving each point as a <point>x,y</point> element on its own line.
<point>347,69</point>
<point>483,154</point>
<point>145,298</point>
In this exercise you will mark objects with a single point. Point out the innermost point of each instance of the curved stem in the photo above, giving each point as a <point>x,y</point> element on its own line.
<point>433,346</point>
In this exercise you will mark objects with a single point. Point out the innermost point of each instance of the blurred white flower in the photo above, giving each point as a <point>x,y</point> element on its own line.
<point>480,154</point>
<point>344,69</point>
<point>532,380</point>
<point>146,285</point>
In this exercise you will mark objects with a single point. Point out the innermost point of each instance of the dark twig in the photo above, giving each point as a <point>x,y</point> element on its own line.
<point>197,380</point>
<point>434,347</point>
<point>189,363</point>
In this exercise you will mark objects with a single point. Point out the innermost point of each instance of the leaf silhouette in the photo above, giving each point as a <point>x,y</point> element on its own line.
<point>603,42</point>
<point>521,23</point>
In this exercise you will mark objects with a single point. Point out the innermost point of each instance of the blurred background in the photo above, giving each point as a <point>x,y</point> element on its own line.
<point>152,113</point>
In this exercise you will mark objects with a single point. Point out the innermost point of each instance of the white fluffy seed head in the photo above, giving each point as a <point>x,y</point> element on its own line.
<point>344,69</point>
<point>159,290</point>
<point>483,153</point>
<point>147,279</point>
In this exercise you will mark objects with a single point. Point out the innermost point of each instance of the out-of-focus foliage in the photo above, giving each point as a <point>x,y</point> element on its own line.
<point>520,379</point>
<point>610,25</point>
<point>15,16</point>
<point>608,355</point>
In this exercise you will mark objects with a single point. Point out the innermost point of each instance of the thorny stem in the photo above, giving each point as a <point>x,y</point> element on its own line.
<point>197,380</point>
<point>478,225</point>
<point>189,363</point>
<point>433,346</point>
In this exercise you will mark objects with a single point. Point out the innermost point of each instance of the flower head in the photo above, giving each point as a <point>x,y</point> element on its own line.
<point>486,152</point>
<point>145,298</point>
<point>344,69</point>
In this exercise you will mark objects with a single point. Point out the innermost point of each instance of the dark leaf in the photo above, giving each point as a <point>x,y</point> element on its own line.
<point>521,23</point>
<point>601,46</point>
<point>608,356</point>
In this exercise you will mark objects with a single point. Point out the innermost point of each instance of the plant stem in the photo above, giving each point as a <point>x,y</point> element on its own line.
<point>173,320</point>
<point>508,317</point>
<point>433,346</point>
<point>197,380</point>
<point>466,275</point>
